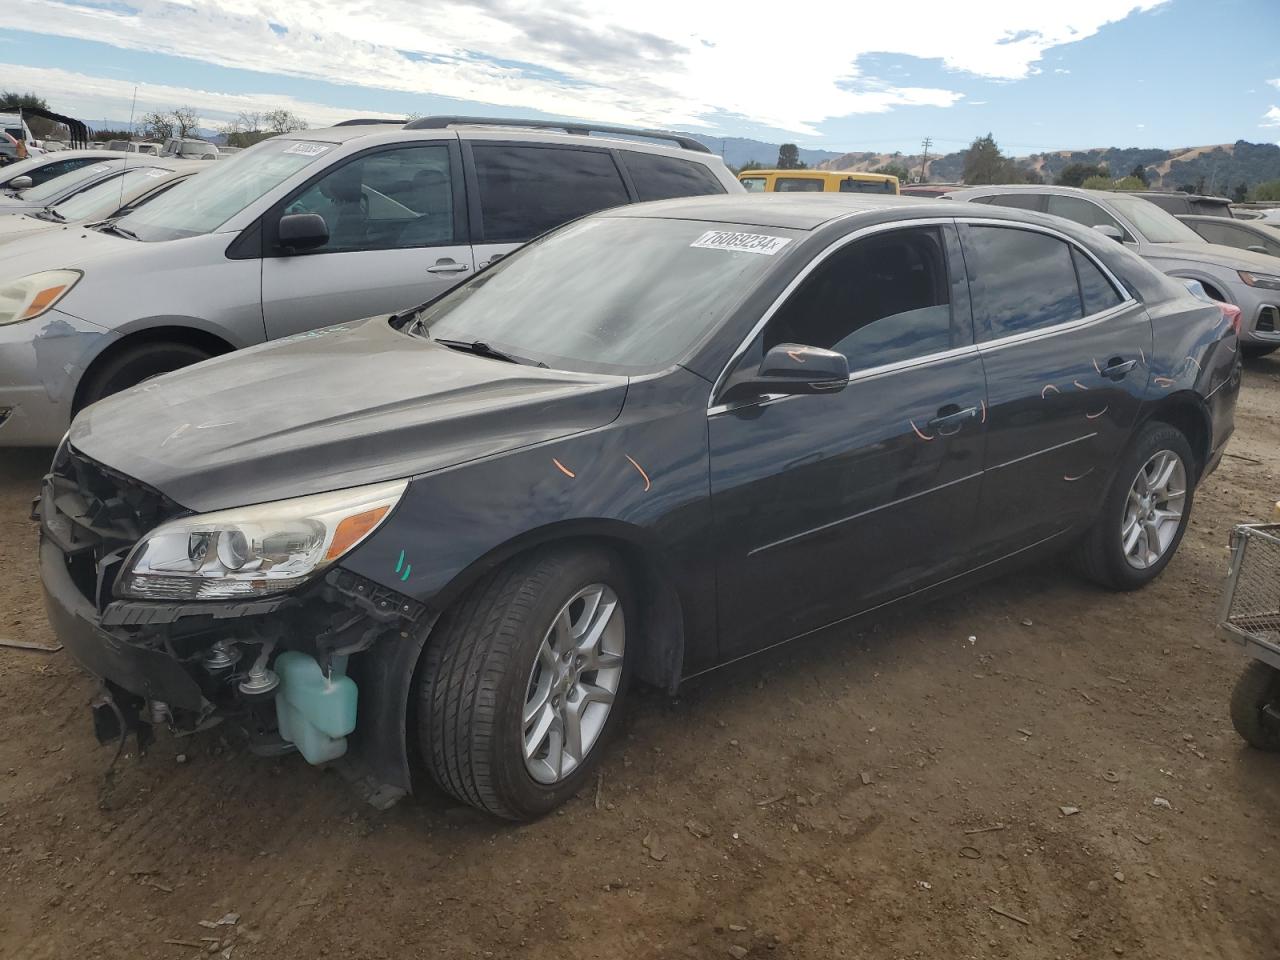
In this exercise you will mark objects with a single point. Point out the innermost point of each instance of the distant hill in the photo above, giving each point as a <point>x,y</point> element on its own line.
<point>741,150</point>
<point>1221,166</point>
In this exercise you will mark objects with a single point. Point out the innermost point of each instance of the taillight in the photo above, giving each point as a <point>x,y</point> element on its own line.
<point>1232,313</point>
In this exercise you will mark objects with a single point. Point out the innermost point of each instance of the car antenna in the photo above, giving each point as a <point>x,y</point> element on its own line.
<point>124,168</point>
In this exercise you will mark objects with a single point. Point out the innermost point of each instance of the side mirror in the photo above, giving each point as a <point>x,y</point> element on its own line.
<point>792,369</point>
<point>20,183</point>
<point>1110,230</point>
<point>301,231</point>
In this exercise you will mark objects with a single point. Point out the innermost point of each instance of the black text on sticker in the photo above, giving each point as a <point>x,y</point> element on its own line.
<point>744,242</point>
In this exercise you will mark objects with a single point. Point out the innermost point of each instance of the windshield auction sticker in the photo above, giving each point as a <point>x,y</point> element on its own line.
<point>741,242</point>
<point>308,149</point>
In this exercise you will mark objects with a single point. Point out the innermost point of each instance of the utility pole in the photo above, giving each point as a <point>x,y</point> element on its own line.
<point>924,160</point>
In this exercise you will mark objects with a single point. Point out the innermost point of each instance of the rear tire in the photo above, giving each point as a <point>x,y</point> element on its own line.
<point>500,677</point>
<point>1252,351</point>
<point>1101,555</point>
<point>133,365</point>
<point>1258,687</point>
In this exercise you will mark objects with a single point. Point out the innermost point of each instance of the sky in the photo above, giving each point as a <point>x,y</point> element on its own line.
<point>834,75</point>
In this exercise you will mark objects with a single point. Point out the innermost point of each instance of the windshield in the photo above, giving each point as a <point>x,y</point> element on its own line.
<point>51,189</point>
<point>202,204</point>
<point>1155,225</point>
<point>103,199</point>
<point>610,294</point>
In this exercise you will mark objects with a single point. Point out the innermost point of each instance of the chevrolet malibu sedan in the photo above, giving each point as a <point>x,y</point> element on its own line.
<point>656,440</point>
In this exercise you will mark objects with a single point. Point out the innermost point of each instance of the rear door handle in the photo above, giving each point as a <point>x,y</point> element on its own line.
<point>951,418</point>
<point>1116,368</point>
<point>448,266</point>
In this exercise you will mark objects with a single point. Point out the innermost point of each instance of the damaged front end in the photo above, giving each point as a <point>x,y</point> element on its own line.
<point>292,669</point>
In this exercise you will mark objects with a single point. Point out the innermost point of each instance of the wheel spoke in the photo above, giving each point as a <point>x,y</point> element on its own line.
<point>540,699</point>
<point>542,728</point>
<point>594,693</point>
<point>590,607</point>
<point>589,639</point>
<point>1131,534</point>
<point>572,726</point>
<point>1163,474</point>
<point>561,635</point>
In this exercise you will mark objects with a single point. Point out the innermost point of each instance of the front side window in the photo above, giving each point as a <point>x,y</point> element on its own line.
<point>611,294</point>
<point>1021,281</point>
<point>1084,212</point>
<point>660,178</point>
<point>526,191</point>
<point>202,204</point>
<point>389,200</point>
<point>1222,231</point>
<point>1155,225</point>
<point>799,185</point>
<point>880,300</point>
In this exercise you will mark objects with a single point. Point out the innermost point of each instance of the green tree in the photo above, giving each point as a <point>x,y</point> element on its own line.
<point>1098,183</point>
<point>11,101</point>
<point>789,157</point>
<point>1129,183</point>
<point>1266,191</point>
<point>1139,172</point>
<point>1075,174</point>
<point>1239,193</point>
<point>750,165</point>
<point>984,163</point>
<point>894,170</point>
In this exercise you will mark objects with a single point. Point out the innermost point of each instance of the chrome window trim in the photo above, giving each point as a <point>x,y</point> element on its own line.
<point>714,409</point>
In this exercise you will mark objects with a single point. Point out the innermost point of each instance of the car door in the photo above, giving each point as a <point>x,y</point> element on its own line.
<point>518,191</point>
<point>827,505</point>
<point>1065,350</point>
<point>397,237</point>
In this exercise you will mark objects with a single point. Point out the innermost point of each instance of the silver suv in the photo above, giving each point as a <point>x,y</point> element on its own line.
<point>302,231</point>
<point>1249,280</point>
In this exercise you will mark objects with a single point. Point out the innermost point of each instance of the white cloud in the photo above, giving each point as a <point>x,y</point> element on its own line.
<point>1271,118</point>
<point>1060,70</point>
<point>94,99</point>
<point>1275,83</point>
<point>668,62</point>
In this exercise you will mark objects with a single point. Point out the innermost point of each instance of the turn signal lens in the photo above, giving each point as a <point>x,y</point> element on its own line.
<point>352,530</point>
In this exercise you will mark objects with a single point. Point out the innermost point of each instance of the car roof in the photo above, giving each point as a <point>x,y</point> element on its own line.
<point>797,211</point>
<point>1204,198</point>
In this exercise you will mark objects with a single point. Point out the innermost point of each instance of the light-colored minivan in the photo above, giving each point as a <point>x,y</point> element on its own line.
<point>302,231</point>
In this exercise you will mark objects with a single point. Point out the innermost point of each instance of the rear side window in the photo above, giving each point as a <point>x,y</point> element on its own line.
<point>526,191</point>
<point>1095,289</point>
<point>1021,281</point>
<point>798,185</point>
<point>1173,205</point>
<point>660,178</point>
<point>1020,201</point>
<point>850,185</point>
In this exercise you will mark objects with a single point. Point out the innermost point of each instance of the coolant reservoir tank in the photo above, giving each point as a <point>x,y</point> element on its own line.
<point>315,712</point>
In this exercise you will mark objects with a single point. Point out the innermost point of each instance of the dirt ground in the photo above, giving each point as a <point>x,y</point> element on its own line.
<point>891,790</point>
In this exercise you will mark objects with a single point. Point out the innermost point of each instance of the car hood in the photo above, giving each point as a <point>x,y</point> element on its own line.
<point>332,408</point>
<point>11,228</point>
<point>71,246</point>
<point>1215,253</point>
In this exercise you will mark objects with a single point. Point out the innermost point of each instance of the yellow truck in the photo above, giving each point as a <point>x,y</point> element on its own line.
<point>817,181</point>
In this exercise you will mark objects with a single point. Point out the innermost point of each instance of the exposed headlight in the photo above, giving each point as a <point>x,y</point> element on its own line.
<point>254,551</point>
<point>27,298</point>
<point>1264,281</point>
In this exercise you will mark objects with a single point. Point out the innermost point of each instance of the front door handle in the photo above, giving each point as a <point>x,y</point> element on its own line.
<point>1117,367</point>
<point>448,266</point>
<point>951,418</point>
<point>492,260</point>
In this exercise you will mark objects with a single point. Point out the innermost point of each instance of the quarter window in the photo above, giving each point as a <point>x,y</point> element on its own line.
<point>659,178</point>
<point>798,185</point>
<point>852,185</point>
<point>1021,281</point>
<point>880,300</point>
<point>526,191</point>
<point>384,201</point>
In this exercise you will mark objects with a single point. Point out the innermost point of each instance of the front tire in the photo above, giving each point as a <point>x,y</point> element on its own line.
<point>525,680</point>
<point>1257,689</point>
<point>135,364</point>
<point>1145,512</point>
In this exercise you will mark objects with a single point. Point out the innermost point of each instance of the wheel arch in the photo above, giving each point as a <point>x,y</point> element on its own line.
<point>1212,284</point>
<point>1187,412</point>
<point>168,332</point>
<point>662,620</point>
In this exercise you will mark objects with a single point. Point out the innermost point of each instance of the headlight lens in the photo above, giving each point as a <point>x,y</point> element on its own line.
<point>254,551</point>
<point>1263,280</point>
<point>27,298</point>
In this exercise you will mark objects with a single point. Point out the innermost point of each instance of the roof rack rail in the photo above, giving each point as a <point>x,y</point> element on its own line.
<point>568,126</point>
<point>367,121</point>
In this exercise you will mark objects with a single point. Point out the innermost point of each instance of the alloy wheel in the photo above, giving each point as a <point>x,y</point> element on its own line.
<point>1153,509</point>
<point>573,683</point>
